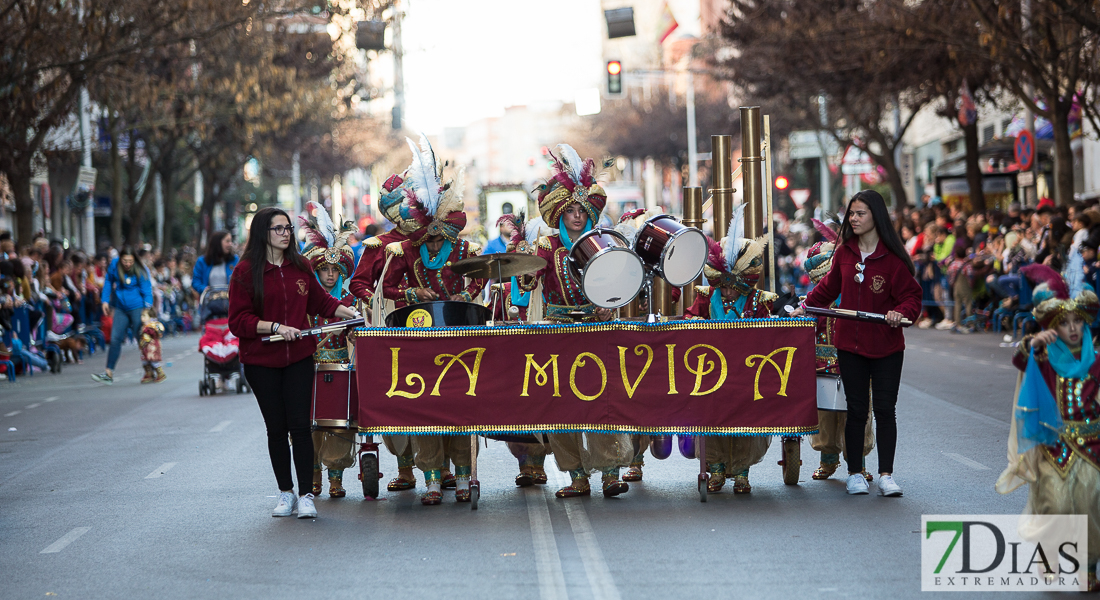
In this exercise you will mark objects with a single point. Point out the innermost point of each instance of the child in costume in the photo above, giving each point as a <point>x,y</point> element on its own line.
<point>829,440</point>
<point>733,268</point>
<point>149,342</point>
<point>333,262</point>
<point>1054,442</point>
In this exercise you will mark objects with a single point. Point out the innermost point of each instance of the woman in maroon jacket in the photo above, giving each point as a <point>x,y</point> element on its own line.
<point>271,292</point>
<point>871,272</point>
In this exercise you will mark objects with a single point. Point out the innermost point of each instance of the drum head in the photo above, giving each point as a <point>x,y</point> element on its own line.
<point>684,257</point>
<point>613,278</point>
<point>438,313</point>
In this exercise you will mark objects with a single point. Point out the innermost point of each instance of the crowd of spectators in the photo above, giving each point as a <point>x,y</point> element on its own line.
<point>968,262</point>
<point>51,300</point>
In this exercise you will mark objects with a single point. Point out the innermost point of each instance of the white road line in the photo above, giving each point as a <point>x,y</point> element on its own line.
<point>13,413</point>
<point>1006,367</point>
<point>547,559</point>
<point>50,399</point>
<point>983,362</point>
<point>220,426</point>
<point>599,576</point>
<point>65,540</point>
<point>161,470</point>
<point>973,464</point>
<point>35,405</point>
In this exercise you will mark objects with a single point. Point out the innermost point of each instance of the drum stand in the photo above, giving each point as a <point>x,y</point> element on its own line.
<point>652,316</point>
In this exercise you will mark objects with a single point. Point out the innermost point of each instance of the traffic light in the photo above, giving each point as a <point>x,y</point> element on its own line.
<point>782,183</point>
<point>614,78</point>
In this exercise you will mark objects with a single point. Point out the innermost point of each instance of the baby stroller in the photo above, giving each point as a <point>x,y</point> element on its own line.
<point>219,347</point>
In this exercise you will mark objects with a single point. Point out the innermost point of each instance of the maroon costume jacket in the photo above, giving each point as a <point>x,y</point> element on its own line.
<point>371,261</point>
<point>407,272</point>
<point>758,306</point>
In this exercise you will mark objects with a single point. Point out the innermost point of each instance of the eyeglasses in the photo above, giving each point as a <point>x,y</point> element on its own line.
<point>282,229</point>
<point>859,275</point>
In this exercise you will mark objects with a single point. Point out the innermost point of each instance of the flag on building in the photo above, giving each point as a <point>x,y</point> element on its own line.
<point>666,23</point>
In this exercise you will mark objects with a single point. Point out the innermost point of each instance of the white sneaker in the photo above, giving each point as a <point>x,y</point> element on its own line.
<point>287,503</point>
<point>306,509</point>
<point>857,484</point>
<point>944,325</point>
<point>888,487</point>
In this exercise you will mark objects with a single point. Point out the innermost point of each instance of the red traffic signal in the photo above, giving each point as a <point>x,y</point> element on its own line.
<point>614,78</point>
<point>782,183</point>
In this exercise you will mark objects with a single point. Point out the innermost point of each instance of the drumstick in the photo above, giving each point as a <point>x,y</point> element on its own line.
<point>858,315</point>
<point>331,327</point>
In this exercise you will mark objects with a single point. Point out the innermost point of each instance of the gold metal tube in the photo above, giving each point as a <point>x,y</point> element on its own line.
<point>750,171</point>
<point>769,221</point>
<point>721,182</point>
<point>662,296</point>
<point>693,217</point>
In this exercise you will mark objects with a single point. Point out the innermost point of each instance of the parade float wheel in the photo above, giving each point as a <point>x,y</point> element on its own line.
<point>240,386</point>
<point>475,493</point>
<point>792,460</point>
<point>703,480</point>
<point>368,472</point>
<point>202,388</point>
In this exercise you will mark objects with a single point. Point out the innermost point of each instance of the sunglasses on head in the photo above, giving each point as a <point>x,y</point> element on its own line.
<point>859,274</point>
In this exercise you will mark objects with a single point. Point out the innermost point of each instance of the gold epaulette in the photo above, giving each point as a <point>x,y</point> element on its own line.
<point>703,289</point>
<point>373,242</point>
<point>544,242</point>
<point>475,248</point>
<point>395,249</point>
<point>768,296</point>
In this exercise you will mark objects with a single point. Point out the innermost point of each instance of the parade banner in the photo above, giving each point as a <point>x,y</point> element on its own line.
<point>751,377</point>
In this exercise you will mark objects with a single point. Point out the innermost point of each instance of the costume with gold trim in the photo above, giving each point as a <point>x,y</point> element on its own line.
<point>1059,458</point>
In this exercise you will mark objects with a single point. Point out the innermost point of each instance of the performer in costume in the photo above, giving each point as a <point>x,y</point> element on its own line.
<point>515,305</point>
<point>151,332</point>
<point>363,286</point>
<point>733,268</point>
<point>1054,441</point>
<point>571,202</point>
<point>829,440</point>
<point>332,261</point>
<point>418,271</point>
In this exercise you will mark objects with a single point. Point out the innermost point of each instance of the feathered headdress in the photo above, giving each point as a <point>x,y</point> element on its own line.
<point>574,180</point>
<point>326,245</point>
<point>736,262</point>
<point>819,258</point>
<point>434,205</point>
<point>393,205</point>
<point>632,221</point>
<point>1052,299</point>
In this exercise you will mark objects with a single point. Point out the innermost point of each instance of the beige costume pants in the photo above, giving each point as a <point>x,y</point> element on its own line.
<point>432,450</point>
<point>736,452</point>
<point>591,451</point>
<point>334,450</point>
<point>829,438</point>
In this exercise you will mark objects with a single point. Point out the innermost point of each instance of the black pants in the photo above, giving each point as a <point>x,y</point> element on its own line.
<point>866,380</point>
<point>285,397</point>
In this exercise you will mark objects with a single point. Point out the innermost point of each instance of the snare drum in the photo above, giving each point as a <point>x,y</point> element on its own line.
<point>676,251</point>
<point>335,396</point>
<point>611,275</point>
<point>830,393</point>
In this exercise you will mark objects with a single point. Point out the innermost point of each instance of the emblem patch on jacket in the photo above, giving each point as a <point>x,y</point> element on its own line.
<point>878,283</point>
<point>303,289</point>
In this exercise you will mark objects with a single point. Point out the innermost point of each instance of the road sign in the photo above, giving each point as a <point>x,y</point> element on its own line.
<point>1024,150</point>
<point>1025,178</point>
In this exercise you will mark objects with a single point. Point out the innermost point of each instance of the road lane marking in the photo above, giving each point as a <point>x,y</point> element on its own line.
<point>161,470</point>
<point>547,559</point>
<point>35,405</point>
<point>50,399</point>
<point>973,464</point>
<point>13,413</point>
<point>595,567</point>
<point>220,426</point>
<point>1006,367</point>
<point>65,540</point>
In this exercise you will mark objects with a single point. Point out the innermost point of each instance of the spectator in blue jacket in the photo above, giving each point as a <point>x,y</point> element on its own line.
<point>126,293</point>
<point>219,252</point>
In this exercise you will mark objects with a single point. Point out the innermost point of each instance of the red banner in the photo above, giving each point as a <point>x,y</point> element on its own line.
<point>753,377</point>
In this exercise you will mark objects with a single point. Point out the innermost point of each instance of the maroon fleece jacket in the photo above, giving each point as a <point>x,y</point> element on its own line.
<point>290,294</point>
<point>887,285</point>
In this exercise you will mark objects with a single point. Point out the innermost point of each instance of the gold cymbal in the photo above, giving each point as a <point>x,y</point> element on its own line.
<point>498,266</point>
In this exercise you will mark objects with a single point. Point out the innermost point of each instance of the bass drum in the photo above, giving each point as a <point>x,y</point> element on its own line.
<point>676,251</point>
<point>611,274</point>
<point>439,313</point>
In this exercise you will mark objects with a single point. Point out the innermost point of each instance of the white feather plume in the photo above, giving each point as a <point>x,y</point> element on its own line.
<point>424,175</point>
<point>324,222</point>
<point>573,163</point>
<point>734,235</point>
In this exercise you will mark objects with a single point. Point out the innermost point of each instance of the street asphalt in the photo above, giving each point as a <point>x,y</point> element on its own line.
<point>153,491</point>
